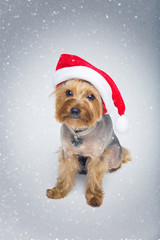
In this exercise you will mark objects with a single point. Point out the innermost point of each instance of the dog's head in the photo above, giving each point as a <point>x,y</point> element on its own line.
<point>78,104</point>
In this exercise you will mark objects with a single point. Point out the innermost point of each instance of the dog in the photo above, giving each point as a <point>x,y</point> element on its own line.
<point>89,143</point>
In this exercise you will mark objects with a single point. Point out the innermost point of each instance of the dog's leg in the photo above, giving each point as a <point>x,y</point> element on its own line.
<point>94,192</point>
<point>115,156</point>
<point>68,167</point>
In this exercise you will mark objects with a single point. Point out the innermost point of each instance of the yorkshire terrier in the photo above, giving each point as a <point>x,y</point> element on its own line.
<point>89,144</point>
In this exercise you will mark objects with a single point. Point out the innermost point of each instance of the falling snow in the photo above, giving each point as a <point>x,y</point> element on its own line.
<point>119,37</point>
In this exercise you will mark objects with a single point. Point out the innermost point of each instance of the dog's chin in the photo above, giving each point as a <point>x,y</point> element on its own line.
<point>76,122</point>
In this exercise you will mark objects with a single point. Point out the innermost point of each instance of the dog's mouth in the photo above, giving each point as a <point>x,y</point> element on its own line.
<point>71,117</point>
<point>68,119</point>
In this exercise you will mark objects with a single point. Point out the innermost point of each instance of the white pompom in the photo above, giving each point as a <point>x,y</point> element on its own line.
<point>122,124</point>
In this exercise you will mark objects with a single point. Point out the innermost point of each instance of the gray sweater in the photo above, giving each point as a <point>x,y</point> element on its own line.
<point>94,143</point>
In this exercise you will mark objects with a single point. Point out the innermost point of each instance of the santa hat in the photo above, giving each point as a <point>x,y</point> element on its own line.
<point>71,66</point>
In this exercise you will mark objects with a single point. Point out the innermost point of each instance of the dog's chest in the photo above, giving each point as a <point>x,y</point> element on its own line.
<point>92,144</point>
<point>85,147</point>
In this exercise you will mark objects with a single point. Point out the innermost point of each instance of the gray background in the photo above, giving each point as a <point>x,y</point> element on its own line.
<point>120,37</point>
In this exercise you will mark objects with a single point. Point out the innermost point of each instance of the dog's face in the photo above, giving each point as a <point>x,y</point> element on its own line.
<point>78,104</point>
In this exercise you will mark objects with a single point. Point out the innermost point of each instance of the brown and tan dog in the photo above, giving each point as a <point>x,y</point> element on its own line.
<point>89,144</point>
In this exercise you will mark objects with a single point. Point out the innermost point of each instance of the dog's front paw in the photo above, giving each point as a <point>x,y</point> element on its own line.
<point>54,193</point>
<point>94,199</point>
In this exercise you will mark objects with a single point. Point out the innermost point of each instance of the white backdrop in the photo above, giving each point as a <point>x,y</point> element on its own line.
<point>119,37</point>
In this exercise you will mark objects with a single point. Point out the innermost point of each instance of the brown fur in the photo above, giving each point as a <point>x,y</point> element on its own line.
<point>91,112</point>
<point>67,169</point>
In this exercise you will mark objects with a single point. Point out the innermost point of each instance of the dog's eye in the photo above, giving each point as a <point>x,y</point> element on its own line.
<point>91,97</point>
<point>69,93</point>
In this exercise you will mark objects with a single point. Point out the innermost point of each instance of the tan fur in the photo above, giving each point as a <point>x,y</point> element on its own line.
<point>67,169</point>
<point>91,112</point>
<point>94,191</point>
<point>126,155</point>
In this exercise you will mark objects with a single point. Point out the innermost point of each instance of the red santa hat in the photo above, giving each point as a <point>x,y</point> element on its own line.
<point>71,66</point>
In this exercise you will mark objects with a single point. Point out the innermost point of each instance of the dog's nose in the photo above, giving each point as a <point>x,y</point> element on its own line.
<point>75,111</point>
